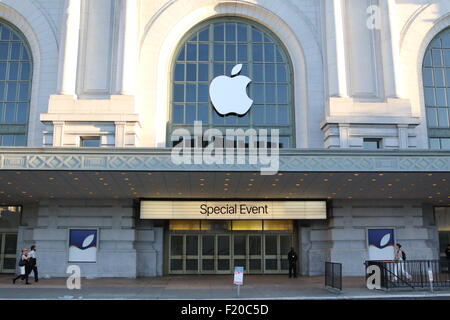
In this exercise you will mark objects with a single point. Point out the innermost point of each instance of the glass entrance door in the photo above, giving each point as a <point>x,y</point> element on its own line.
<point>276,248</point>
<point>220,253</point>
<point>8,246</point>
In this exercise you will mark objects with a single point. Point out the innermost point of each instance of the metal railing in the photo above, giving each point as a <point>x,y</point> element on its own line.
<point>412,273</point>
<point>333,275</point>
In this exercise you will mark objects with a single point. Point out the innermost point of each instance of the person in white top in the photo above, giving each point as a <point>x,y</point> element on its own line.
<point>33,263</point>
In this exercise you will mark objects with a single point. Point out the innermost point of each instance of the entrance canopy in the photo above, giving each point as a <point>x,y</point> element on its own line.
<point>29,175</point>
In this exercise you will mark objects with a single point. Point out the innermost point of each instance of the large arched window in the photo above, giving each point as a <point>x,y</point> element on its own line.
<point>212,49</point>
<point>436,81</point>
<point>15,86</point>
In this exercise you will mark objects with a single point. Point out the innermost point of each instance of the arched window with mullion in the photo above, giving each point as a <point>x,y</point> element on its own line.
<point>436,82</point>
<point>15,86</point>
<point>212,49</point>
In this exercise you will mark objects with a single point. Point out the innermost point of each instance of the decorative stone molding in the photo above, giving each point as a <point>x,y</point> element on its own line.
<point>160,160</point>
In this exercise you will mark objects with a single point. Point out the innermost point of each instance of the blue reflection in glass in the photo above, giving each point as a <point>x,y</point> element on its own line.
<point>218,32</point>
<point>191,72</point>
<point>190,113</point>
<point>203,92</point>
<point>242,32</point>
<point>257,52</point>
<point>191,93</point>
<point>178,114</point>
<point>218,52</point>
<point>231,32</point>
<point>178,92</point>
<point>203,72</point>
<point>179,72</point>
<point>258,72</point>
<point>203,52</point>
<point>231,52</point>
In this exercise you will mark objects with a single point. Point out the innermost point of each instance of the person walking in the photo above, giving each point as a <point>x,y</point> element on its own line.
<point>24,266</point>
<point>400,257</point>
<point>33,263</point>
<point>292,259</point>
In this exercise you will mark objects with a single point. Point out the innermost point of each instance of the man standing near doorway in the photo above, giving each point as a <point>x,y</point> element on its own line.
<point>33,263</point>
<point>292,259</point>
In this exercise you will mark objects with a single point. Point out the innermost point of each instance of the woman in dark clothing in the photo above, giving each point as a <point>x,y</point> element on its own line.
<point>25,267</point>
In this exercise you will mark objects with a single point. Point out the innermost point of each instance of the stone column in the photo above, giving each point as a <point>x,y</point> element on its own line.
<point>129,38</point>
<point>336,59</point>
<point>70,37</point>
<point>394,46</point>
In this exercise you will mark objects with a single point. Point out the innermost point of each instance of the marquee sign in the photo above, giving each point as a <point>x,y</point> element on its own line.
<point>233,210</point>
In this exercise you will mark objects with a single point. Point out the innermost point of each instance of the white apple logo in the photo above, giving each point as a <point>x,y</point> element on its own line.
<point>229,94</point>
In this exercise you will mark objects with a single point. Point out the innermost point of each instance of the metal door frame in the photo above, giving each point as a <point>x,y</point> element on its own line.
<point>232,257</point>
<point>3,255</point>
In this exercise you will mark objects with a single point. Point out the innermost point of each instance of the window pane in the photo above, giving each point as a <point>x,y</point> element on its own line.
<point>13,71</point>
<point>258,113</point>
<point>270,93</point>
<point>203,93</point>
<point>443,117</point>
<point>20,141</point>
<point>281,73</point>
<point>2,91</point>
<point>179,72</point>
<point>4,50</point>
<point>435,144</point>
<point>242,33</point>
<point>242,52</point>
<point>203,35</point>
<point>23,91</point>
<point>440,97</point>
<point>283,118</point>
<point>90,142</point>
<point>219,52</point>
<point>203,113</point>
<point>8,140</point>
<point>257,52</point>
<point>10,112</point>
<point>282,94</point>
<point>178,92</point>
<point>445,144</point>
<point>258,72</point>
<point>439,77</point>
<point>231,32</point>
<point>2,70</point>
<point>269,53</point>
<point>203,72</point>
<point>429,97</point>
<point>437,58</point>
<point>191,72</point>
<point>203,52</point>
<point>428,77</point>
<point>219,32</point>
<point>256,35</point>
<point>258,93</point>
<point>191,52</point>
<point>432,117</point>
<point>191,93</point>
<point>15,51</point>
<point>178,113</point>
<point>12,90</point>
<point>270,72</point>
<point>191,113</point>
<point>271,115</point>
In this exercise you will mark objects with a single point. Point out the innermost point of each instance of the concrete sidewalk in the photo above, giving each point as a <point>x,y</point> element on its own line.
<point>203,287</point>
